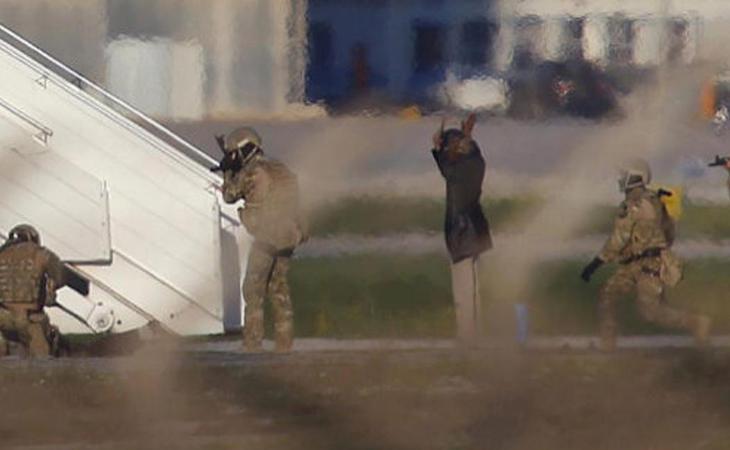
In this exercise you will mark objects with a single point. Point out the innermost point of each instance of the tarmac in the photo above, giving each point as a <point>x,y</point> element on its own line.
<point>566,343</point>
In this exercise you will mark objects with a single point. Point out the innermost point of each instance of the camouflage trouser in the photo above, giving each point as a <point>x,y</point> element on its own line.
<point>640,277</point>
<point>31,329</point>
<point>267,274</point>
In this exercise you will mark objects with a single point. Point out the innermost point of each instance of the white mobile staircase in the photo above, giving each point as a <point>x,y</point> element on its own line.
<point>131,205</point>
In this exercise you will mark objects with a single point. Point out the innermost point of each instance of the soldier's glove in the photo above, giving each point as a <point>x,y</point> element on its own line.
<point>590,268</point>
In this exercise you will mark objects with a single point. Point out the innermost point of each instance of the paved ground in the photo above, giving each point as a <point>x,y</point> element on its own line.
<point>538,343</point>
<point>557,393</point>
<point>432,397</point>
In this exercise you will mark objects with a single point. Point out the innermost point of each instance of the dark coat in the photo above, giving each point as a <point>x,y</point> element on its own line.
<point>466,228</point>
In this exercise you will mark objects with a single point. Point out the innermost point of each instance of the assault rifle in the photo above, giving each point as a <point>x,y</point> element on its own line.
<point>230,161</point>
<point>235,159</point>
<point>75,280</point>
<point>720,161</point>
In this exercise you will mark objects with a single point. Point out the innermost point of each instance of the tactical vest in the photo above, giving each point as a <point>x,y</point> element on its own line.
<point>272,205</point>
<point>653,228</point>
<point>22,269</point>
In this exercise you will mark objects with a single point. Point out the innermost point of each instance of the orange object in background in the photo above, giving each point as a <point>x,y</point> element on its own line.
<point>707,100</point>
<point>412,112</point>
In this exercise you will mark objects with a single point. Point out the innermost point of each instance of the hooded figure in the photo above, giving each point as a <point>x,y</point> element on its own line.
<point>460,162</point>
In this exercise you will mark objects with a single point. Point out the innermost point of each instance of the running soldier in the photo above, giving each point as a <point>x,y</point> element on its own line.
<point>641,240</point>
<point>271,215</point>
<point>29,277</point>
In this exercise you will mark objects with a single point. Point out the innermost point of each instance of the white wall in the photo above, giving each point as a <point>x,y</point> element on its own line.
<point>256,56</point>
<point>161,77</point>
<point>72,30</point>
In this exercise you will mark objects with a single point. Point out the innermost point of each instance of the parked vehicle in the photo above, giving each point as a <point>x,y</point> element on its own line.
<point>574,88</point>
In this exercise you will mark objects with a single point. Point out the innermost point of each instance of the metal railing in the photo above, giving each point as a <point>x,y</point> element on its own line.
<point>128,113</point>
<point>43,132</point>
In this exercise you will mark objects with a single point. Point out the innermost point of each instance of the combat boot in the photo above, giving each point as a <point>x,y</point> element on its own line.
<point>701,330</point>
<point>252,347</point>
<point>252,339</point>
<point>59,346</point>
<point>283,344</point>
<point>284,333</point>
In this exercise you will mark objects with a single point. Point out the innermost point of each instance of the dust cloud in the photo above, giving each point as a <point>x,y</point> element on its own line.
<point>587,176</point>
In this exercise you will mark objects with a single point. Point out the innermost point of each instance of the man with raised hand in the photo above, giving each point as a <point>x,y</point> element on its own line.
<point>466,229</point>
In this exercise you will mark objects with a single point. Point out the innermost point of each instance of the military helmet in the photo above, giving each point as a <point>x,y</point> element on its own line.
<point>240,137</point>
<point>634,173</point>
<point>24,233</point>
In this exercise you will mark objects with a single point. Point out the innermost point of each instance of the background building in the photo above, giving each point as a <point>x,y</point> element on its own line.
<point>190,59</point>
<point>402,48</point>
<point>177,59</point>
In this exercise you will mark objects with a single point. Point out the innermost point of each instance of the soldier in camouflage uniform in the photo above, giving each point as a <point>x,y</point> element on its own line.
<point>640,242</point>
<point>271,215</point>
<point>29,277</point>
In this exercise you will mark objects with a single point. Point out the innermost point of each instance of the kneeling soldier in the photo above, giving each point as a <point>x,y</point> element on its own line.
<point>29,277</point>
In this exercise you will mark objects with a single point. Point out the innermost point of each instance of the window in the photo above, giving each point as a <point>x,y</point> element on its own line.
<point>476,43</point>
<point>320,46</point>
<point>574,38</point>
<point>528,32</point>
<point>621,39</point>
<point>320,84</point>
<point>678,37</point>
<point>428,52</point>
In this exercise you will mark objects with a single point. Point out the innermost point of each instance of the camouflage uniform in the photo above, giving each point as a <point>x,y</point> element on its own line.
<point>29,277</point>
<point>271,215</point>
<point>642,232</point>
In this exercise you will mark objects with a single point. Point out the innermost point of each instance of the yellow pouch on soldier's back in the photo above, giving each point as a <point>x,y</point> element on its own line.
<point>671,197</point>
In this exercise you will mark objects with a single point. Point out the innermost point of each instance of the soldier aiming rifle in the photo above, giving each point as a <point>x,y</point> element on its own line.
<point>271,215</point>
